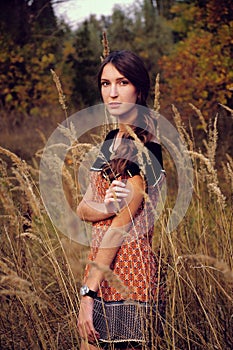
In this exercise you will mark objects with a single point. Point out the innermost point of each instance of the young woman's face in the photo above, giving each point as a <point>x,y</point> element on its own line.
<point>118,93</point>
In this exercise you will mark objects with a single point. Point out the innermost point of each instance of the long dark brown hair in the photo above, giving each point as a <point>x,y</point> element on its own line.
<point>131,67</point>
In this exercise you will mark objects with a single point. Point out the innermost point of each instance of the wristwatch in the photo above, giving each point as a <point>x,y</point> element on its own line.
<point>85,291</point>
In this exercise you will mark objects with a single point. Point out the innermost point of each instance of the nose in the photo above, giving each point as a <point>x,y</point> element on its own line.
<point>113,91</point>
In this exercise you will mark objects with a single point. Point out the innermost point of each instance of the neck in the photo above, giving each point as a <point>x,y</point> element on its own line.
<point>124,120</point>
<point>122,128</point>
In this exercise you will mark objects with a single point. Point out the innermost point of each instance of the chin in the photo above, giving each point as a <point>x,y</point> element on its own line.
<point>122,110</point>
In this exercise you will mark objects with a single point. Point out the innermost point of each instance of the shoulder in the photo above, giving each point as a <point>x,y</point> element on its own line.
<point>153,146</point>
<point>155,152</point>
<point>154,165</point>
<point>104,152</point>
<point>111,134</point>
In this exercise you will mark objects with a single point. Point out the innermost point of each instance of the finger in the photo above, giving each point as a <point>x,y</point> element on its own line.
<point>109,193</point>
<point>118,183</point>
<point>121,194</point>
<point>87,331</point>
<point>116,195</point>
<point>112,200</point>
<point>120,189</point>
<point>82,331</point>
<point>92,333</point>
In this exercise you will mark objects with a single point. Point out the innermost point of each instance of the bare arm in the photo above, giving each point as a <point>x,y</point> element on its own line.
<point>114,237</point>
<point>90,210</point>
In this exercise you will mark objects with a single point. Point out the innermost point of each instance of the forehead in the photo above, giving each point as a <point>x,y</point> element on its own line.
<point>110,71</point>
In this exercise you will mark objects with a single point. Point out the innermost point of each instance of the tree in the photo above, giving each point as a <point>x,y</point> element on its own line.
<point>43,18</point>
<point>15,20</point>
<point>163,7</point>
<point>140,28</point>
<point>121,29</point>
<point>85,62</point>
<point>199,69</point>
<point>30,45</point>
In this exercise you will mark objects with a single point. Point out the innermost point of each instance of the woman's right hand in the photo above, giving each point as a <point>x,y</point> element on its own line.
<point>115,196</point>
<point>85,320</point>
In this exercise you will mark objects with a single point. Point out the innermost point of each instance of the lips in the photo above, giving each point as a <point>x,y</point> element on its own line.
<point>114,104</point>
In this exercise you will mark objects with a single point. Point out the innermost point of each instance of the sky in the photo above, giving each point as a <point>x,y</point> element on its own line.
<point>75,11</point>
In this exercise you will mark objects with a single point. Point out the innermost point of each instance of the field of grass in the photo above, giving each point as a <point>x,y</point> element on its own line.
<point>40,269</point>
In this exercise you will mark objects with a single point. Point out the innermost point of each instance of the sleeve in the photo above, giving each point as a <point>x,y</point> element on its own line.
<point>153,164</point>
<point>154,167</point>
<point>104,153</point>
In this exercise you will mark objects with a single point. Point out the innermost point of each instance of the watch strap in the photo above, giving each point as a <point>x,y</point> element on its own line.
<point>91,294</point>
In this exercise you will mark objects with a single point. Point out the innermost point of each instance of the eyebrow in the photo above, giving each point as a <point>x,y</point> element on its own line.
<point>118,79</point>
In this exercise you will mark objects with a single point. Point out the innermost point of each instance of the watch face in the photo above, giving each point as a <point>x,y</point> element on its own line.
<point>84,290</point>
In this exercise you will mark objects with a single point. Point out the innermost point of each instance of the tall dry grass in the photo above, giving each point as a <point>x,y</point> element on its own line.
<point>41,269</point>
<point>200,304</point>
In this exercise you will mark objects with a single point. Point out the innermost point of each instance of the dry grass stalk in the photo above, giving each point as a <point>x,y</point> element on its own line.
<point>230,160</point>
<point>106,49</point>
<point>199,297</point>
<point>61,96</point>
<point>211,142</point>
<point>141,149</point>
<point>7,201</point>
<point>69,132</point>
<point>29,234</point>
<point>212,262</point>
<point>227,108</point>
<point>157,104</point>
<point>157,95</point>
<point>15,159</point>
<point>181,128</point>
<point>18,162</point>
<point>230,174</point>
<point>76,257</point>
<point>25,185</point>
<point>211,178</point>
<point>48,270</point>
<point>201,117</point>
<point>209,160</point>
<point>70,188</point>
<point>112,279</point>
<point>13,280</point>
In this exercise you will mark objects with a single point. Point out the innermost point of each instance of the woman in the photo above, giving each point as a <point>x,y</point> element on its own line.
<point>122,297</point>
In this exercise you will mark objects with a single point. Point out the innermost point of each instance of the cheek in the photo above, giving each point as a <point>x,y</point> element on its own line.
<point>103,95</point>
<point>134,96</point>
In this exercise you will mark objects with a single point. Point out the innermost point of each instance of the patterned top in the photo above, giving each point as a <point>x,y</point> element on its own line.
<point>135,266</point>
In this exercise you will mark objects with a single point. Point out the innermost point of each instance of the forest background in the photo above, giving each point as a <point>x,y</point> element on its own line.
<point>189,46</point>
<point>189,43</point>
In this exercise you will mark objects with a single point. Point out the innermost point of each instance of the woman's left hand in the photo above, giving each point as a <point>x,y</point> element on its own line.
<point>85,320</point>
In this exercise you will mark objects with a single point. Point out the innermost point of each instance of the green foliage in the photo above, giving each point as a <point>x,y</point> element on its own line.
<point>85,61</point>
<point>121,30</point>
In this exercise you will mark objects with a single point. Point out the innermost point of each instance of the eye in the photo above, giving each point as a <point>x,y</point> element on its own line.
<point>124,82</point>
<point>104,83</point>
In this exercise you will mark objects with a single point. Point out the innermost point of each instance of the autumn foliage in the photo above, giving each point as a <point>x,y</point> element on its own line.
<point>200,67</point>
